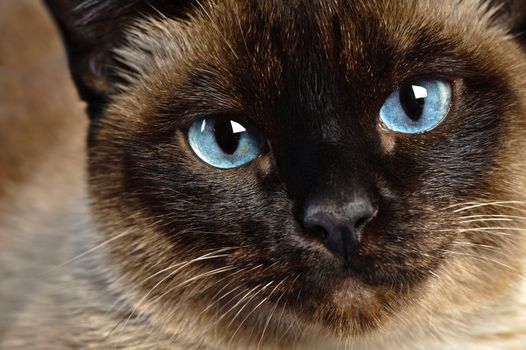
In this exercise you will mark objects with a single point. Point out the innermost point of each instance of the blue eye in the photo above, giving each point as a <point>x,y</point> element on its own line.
<point>224,143</point>
<point>417,107</point>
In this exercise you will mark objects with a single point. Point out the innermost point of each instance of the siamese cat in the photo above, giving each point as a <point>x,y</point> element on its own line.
<point>302,174</point>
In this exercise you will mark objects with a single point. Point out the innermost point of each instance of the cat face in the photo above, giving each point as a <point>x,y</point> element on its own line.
<point>266,168</point>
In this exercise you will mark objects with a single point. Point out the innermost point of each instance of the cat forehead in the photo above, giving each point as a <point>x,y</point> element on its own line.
<point>254,53</point>
<point>262,30</point>
<point>301,20</point>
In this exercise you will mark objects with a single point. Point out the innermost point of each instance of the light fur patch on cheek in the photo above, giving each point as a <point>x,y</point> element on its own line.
<point>387,140</point>
<point>264,165</point>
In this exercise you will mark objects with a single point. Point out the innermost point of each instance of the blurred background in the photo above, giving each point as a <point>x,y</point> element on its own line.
<point>38,103</point>
<point>42,138</point>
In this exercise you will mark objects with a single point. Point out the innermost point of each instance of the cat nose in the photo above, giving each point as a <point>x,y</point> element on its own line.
<point>339,226</point>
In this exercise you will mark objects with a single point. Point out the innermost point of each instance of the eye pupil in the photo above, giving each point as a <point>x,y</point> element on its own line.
<point>413,100</point>
<point>227,135</point>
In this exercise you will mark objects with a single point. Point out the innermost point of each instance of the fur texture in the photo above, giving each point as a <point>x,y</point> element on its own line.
<point>169,252</point>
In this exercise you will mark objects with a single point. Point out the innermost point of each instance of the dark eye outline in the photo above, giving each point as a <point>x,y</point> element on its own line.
<point>231,116</point>
<point>453,100</point>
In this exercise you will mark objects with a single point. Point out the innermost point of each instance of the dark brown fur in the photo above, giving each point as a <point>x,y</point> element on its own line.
<point>200,256</point>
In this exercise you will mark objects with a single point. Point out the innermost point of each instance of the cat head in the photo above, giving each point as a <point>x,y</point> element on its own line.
<point>264,170</point>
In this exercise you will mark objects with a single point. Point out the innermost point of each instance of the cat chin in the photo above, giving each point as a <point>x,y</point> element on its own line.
<point>351,293</point>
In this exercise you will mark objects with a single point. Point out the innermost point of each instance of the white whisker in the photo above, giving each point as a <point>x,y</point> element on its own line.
<point>494,216</point>
<point>87,252</point>
<point>501,204</point>
<point>268,321</point>
<point>482,258</point>
<point>485,220</point>
<point>180,266</point>
<point>247,302</point>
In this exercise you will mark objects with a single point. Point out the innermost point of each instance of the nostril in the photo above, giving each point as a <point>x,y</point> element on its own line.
<point>361,222</point>
<point>360,214</point>
<point>317,232</point>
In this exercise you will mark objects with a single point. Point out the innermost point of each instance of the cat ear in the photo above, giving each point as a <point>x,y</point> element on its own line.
<point>513,14</point>
<point>92,29</point>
